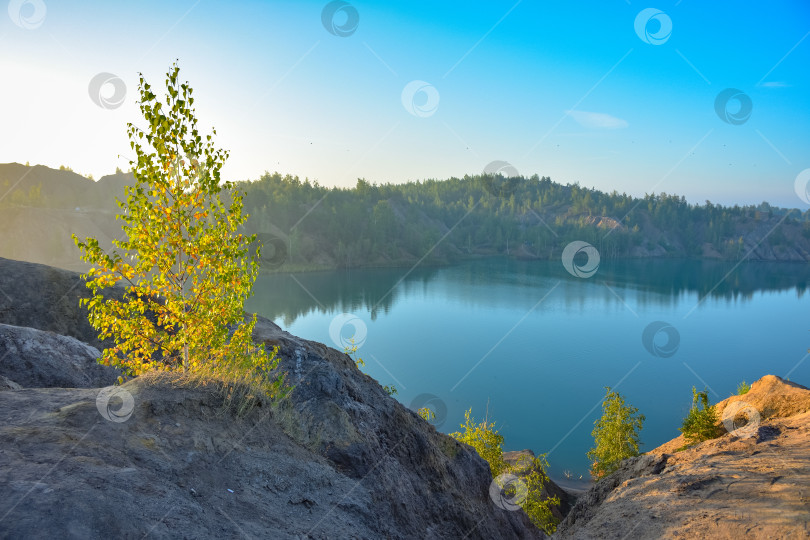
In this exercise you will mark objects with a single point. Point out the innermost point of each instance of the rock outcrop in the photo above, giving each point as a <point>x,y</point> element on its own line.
<point>8,384</point>
<point>35,359</point>
<point>518,459</point>
<point>161,456</point>
<point>752,482</point>
<point>46,298</point>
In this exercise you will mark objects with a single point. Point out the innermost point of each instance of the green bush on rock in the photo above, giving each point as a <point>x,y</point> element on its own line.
<point>701,424</point>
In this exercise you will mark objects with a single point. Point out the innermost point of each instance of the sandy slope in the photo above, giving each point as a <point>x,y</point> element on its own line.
<point>751,483</point>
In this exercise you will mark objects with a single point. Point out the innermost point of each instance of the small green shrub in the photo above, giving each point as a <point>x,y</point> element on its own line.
<point>426,414</point>
<point>701,424</point>
<point>743,388</point>
<point>615,435</point>
<point>486,440</point>
<point>537,506</point>
<point>351,350</point>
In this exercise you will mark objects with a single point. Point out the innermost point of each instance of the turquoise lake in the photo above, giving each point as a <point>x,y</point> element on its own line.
<point>534,346</point>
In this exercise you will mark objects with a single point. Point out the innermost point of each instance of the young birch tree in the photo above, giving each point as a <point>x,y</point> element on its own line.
<point>186,269</point>
<point>615,435</point>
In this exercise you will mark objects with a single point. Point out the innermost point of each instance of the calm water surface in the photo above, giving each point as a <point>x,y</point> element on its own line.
<point>535,346</point>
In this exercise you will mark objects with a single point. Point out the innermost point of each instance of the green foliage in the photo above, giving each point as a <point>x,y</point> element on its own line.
<point>615,435</point>
<point>351,350</point>
<point>701,424</point>
<point>488,443</point>
<point>186,269</point>
<point>32,197</point>
<point>391,390</point>
<point>537,505</point>
<point>743,388</point>
<point>426,413</point>
<point>393,223</point>
<point>485,439</point>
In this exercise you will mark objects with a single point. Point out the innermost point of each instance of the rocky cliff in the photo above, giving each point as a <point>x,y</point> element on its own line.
<point>752,482</point>
<point>160,456</point>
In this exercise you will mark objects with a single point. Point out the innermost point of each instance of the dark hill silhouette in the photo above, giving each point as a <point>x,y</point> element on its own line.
<point>39,185</point>
<point>434,222</point>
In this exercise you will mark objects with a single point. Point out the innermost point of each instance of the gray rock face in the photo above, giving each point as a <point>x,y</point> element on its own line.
<point>338,459</point>
<point>427,484</point>
<point>162,457</point>
<point>36,359</point>
<point>8,384</point>
<point>46,298</point>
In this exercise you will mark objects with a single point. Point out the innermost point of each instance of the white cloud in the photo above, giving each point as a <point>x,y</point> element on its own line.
<point>594,120</point>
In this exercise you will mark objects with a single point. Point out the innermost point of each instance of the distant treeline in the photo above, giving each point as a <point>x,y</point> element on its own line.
<point>445,220</point>
<point>304,225</point>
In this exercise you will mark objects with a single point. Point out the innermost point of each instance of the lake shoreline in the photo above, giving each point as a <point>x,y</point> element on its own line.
<point>300,268</point>
<point>423,329</point>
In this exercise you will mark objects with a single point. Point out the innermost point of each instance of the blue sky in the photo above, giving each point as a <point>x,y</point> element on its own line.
<point>568,90</point>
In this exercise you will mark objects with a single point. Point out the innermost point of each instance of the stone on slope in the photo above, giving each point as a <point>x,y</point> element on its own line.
<point>47,298</point>
<point>770,397</point>
<point>161,457</point>
<point>8,384</point>
<point>36,359</point>
<point>518,459</point>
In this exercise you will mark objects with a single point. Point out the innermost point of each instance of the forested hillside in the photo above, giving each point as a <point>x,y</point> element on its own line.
<point>445,220</point>
<point>304,225</point>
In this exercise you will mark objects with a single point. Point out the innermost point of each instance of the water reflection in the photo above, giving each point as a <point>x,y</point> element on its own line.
<point>502,282</point>
<point>518,337</point>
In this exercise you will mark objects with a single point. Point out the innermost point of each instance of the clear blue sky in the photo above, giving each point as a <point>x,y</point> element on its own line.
<point>568,90</point>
